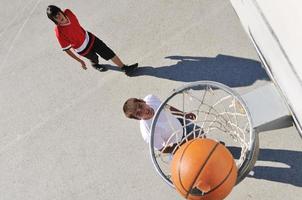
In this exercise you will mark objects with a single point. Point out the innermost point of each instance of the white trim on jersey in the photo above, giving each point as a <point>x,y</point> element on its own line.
<point>84,44</point>
<point>68,47</point>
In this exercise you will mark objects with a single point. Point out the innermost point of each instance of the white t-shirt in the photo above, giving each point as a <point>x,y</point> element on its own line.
<point>167,125</point>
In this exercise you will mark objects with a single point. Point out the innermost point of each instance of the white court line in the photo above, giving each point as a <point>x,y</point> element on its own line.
<point>43,122</point>
<point>18,34</point>
<point>14,19</point>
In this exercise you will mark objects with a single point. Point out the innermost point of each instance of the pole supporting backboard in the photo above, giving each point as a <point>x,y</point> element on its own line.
<point>267,108</point>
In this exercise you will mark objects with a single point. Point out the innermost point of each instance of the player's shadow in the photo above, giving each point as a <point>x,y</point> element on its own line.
<point>290,161</point>
<point>230,70</point>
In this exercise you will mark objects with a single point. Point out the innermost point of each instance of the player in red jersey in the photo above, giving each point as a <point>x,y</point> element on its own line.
<point>71,35</point>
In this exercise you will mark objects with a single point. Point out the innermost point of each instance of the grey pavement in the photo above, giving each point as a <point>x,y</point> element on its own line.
<point>62,131</point>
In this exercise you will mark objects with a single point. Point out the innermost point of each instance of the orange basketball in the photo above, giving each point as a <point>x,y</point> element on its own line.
<point>203,169</point>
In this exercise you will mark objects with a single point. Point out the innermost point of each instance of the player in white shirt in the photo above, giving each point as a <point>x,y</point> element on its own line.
<point>168,129</point>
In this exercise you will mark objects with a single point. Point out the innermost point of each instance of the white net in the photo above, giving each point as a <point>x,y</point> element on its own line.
<point>205,109</point>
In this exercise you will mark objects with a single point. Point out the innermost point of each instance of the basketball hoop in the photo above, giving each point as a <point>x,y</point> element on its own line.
<point>220,114</point>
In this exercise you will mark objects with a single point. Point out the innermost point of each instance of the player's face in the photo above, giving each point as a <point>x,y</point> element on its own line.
<point>61,19</point>
<point>143,111</point>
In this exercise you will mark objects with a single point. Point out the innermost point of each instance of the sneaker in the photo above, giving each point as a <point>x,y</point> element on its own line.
<point>129,68</point>
<point>100,68</point>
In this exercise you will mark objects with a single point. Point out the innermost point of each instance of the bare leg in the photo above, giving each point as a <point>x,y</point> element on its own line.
<point>116,60</point>
<point>126,68</point>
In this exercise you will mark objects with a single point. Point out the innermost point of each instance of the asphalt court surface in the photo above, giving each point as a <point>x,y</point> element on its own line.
<point>62,131</point>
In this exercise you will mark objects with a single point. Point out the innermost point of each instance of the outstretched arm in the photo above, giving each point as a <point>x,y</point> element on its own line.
<point>169,149</point>
<point>175,111</point>
<point>71,54</point>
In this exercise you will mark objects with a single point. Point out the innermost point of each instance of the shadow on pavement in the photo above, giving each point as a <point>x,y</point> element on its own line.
<point>229,70</point>
<point>290,172</point>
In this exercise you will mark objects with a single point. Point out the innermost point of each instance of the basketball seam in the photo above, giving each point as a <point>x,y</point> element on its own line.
<point>179,177</point>
<point>201,168</point>
<point>227,176</point>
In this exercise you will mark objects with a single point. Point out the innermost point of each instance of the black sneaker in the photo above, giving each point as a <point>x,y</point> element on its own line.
<point>100,68</point>
<point>129,68</point>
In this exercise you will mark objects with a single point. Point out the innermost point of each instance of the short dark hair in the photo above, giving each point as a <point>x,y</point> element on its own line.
<point>52,11</point>
<point>130,107</point>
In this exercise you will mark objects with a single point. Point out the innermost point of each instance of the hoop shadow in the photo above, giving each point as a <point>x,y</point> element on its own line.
<point>290,174</point>
<point>230,70</point>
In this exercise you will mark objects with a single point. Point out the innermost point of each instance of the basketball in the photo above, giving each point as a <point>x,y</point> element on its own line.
<point>203,169</point>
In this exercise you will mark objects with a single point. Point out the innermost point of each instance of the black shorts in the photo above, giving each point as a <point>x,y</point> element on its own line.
<point>98,47</point>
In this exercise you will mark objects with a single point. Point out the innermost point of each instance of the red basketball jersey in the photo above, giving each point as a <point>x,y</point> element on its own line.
<point>72,34</point>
